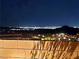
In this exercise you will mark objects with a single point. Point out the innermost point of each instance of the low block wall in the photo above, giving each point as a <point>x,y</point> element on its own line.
<point>29,49</point>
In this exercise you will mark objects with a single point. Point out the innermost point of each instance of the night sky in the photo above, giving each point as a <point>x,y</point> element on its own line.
<point>39,12</point>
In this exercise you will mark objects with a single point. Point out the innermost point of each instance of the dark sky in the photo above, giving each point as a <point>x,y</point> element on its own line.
<point>39,12</point>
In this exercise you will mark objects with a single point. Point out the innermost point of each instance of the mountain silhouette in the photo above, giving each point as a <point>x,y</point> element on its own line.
<point>64,29</point>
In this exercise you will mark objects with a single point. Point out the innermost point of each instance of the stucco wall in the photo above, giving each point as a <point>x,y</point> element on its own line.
<point>28,49</point>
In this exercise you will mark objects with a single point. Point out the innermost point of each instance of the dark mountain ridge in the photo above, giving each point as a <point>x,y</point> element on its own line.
<point>63,29</point>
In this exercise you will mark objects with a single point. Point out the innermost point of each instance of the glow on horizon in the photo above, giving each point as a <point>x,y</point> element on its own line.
<point>46,27</point>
